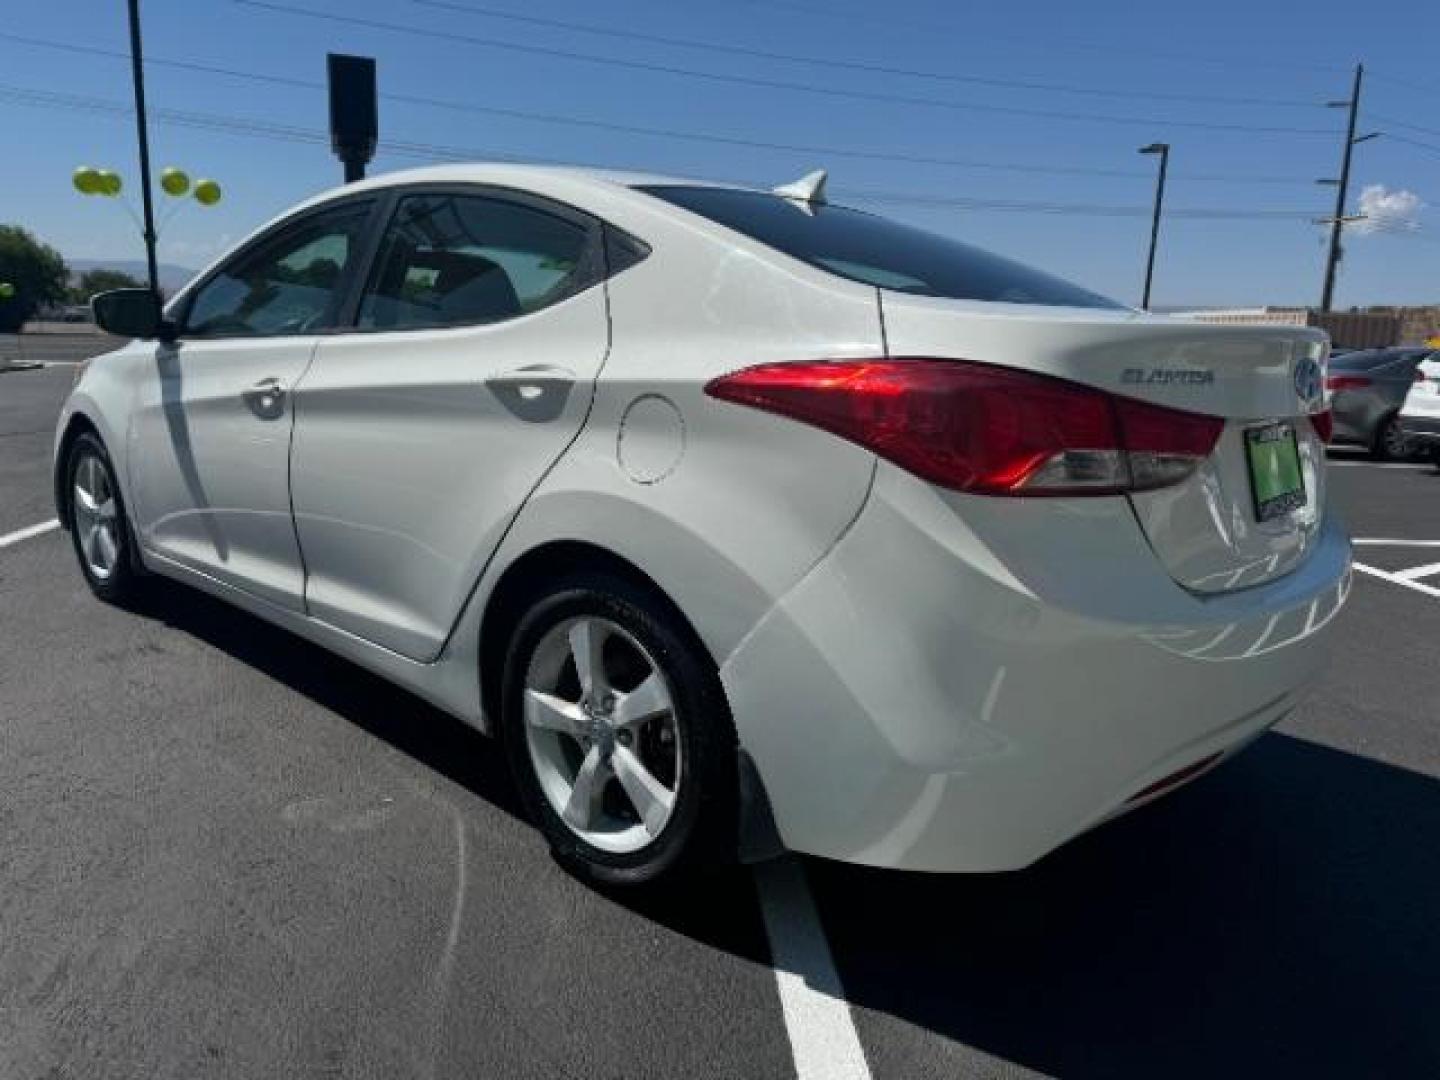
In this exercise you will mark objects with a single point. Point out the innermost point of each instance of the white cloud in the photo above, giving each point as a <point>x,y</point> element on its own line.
<point>1388,209</point>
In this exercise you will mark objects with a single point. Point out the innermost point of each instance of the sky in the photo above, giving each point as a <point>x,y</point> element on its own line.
<point>1013,126</point>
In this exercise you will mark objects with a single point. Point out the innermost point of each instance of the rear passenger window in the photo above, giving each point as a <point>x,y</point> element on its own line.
<point>466,260</point>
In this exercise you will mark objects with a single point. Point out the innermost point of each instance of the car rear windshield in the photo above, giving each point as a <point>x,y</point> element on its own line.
<point>876,251</point>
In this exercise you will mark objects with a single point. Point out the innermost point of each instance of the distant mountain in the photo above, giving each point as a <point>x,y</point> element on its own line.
<point>172,277</point>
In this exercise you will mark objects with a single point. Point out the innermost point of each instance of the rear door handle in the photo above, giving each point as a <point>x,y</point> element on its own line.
<point>266,398</point>
<point>532,381</point>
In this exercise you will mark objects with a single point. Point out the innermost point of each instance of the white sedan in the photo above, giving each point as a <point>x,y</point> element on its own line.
<point>747,522</point>
<point>1420,415</point>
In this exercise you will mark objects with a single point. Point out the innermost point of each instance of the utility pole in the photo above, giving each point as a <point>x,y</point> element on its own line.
<point>1337,223</point>
<point>137,70</point>
<point>1163,149</point>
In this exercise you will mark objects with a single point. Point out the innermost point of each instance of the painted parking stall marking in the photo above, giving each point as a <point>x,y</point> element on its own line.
<point>28,532</point>
<point>1409,578</point>
<point>822,1032</point>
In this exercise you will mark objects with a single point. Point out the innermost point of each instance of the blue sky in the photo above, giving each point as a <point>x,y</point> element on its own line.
<point>1097,64</point>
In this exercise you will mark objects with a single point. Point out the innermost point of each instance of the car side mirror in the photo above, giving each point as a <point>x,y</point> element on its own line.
<point>131,313</point>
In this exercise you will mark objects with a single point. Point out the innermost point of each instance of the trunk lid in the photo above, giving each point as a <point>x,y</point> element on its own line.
<point>1234,522</point>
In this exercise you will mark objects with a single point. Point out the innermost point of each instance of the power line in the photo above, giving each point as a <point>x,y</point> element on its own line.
<point>891,19</point>
<point>454,37</point>
<point>224,124</point>
<point>1077,209</point>
<point>1390,121</point>
<point>1418,144</point>
<point>894,157</point>
<point>1424,88</point>
<point>854,65</point>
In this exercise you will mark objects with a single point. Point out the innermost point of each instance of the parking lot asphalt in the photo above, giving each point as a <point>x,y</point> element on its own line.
<point>224,852</point>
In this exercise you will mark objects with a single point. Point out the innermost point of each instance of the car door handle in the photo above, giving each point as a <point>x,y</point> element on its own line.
<point>266,398</point>
<point>532,380</point>
<point>535,393</point>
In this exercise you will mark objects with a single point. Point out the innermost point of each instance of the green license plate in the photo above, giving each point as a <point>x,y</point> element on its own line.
<point>1275,477</point>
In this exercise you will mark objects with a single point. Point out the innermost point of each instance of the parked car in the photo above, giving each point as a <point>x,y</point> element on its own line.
<point>745,520</point>
<point>1420,415</point>
<point>1366,389</point>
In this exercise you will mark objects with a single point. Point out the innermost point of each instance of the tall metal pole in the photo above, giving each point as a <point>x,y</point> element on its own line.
<point>1163,149</point>
<point>137,70</point>
<point>1332,260</point>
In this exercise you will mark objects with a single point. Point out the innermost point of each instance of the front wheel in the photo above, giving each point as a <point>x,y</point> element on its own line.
<point>618,733</point>
<point>98,528</point>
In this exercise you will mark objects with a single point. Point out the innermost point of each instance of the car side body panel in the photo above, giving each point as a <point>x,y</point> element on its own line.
<point>413,452</point>
<point>725,508</point>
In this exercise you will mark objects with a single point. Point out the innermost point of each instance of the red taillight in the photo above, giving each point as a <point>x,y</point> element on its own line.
<point>980,428</point>
<point>1324,424</point>
<point>1346,382</point>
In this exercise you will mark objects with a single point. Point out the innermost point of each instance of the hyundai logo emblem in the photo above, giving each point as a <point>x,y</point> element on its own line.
<point>1308,379</point>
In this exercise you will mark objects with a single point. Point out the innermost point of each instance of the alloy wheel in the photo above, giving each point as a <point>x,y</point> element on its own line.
<point>603,735</point>
<point>96,516</point>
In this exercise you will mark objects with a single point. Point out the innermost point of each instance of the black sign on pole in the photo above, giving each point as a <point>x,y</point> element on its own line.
<point>354,118</point>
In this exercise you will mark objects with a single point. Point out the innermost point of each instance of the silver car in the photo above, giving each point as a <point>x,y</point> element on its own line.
<point>1366,389</point>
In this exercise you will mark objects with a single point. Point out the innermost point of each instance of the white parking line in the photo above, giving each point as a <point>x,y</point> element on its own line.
<point>1419,571</point>
<point>27,532</point>
<point>1385,541</point>
<point>822,1033</point>
<point>1397,579</point>
<point>1378,465</point>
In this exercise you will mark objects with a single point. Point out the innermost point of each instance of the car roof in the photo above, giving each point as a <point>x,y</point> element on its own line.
<point>595,190</point>
<point>538,178</point>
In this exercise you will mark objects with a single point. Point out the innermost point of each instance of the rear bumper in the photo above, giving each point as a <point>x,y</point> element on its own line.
<point>1420,427</point>
<point>963,684</point>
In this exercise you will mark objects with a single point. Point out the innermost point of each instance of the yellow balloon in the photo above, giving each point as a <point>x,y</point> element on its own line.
<point>207,192</point>
<point>6,290</point>
<point>86,180</point>
<point>173,181</point>
<point>109,183</point>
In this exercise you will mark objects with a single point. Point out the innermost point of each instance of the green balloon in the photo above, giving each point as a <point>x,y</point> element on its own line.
<point>173,181</point>
<point>86,180</point>
<point>207,192</point>
<point>110,183</point>
<point>6,290</point>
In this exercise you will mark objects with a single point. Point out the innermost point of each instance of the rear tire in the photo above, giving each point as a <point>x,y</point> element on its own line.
<point>618,733</point>
<point>99,529</point>
<point>1390,443</point>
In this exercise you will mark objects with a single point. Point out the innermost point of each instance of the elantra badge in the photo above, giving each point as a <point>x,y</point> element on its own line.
<point>1168,376</point>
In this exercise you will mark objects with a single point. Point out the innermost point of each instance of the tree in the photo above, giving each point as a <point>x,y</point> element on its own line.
<point>35,269</point>
<point>101,280</point>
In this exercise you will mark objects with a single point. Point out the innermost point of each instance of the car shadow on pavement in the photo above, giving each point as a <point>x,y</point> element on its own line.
<point>719,910</point>
<point>1279,918</point>
<point>376,705</point>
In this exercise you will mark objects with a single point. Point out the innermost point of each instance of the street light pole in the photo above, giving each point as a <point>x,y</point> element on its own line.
<point>1163,149</point>
<point>137,69</point>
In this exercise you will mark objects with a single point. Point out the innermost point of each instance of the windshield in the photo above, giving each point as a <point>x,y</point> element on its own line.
<point>876,251</point>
